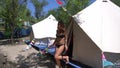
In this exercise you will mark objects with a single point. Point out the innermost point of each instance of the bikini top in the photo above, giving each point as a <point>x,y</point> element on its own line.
<point>60,35</point>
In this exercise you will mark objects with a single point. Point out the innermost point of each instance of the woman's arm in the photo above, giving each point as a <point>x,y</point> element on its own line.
<point>66,37</point>
<point>52,44</point>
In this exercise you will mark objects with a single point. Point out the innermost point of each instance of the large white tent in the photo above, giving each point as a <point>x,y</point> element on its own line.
<point>101,23</point>
<point>45,28</point>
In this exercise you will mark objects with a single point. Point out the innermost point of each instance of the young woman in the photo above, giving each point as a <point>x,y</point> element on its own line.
<point>60,43</point>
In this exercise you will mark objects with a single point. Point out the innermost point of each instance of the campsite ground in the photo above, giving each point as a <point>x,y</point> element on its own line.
<point>13,56</point>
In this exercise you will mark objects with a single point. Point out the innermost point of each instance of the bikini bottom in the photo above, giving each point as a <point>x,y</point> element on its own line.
<point>58,45</point>
<point>64,51</point>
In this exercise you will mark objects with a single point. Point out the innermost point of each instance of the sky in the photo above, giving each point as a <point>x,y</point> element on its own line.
<point>52,4</point>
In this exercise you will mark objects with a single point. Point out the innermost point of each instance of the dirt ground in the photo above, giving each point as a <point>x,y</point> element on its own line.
<point>13,56</point>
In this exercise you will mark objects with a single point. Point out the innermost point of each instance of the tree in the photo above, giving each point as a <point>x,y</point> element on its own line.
<point>116,2</point>
<point>39,4</point>
<point>72,6</point>
<point>11,12</point>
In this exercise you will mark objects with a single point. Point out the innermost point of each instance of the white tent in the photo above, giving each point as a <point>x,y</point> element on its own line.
<point>101,22</point>
<point>45,28</point>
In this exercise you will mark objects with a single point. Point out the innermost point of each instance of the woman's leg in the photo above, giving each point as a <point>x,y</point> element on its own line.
<point>58,56</point>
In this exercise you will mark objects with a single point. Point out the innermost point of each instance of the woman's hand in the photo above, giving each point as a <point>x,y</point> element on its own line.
<point>50,45</point>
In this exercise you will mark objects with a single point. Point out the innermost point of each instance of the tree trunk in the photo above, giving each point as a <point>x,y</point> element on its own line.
<point>12,36</point>
<point>13,20</point>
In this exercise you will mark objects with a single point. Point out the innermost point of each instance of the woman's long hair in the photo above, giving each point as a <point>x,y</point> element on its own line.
<point>61,27</point>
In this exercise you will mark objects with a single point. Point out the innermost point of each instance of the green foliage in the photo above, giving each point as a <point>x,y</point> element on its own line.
<point>72,6</point>
<point>12,11</point>
<point>7,34</point>
<point>117,2</point>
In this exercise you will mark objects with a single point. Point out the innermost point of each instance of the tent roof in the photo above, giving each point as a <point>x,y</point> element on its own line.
<point>101,22</point>
<point>45,28</point>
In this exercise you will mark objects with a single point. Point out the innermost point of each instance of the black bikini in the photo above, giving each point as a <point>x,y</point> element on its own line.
<point>59,37</point>
<point>58,45</point>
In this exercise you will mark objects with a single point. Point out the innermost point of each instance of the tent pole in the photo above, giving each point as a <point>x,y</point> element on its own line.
<point>72,64</point>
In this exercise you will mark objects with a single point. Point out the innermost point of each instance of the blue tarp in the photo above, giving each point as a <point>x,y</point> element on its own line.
<point>25,32</point>
<point>20,32</point>
<point>1,35</point>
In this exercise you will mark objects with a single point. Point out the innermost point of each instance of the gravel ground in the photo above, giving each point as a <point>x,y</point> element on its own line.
<point>13,56</point>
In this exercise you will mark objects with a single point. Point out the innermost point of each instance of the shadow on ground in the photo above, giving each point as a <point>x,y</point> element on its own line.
<point>31,61</point>
<point>4,63</point>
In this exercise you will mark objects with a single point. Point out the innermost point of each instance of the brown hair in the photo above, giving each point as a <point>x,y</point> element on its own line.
<point>61,27</point>
<point>61,24</point>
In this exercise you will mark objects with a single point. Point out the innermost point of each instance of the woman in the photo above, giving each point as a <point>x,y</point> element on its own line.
<point>60,43</point>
